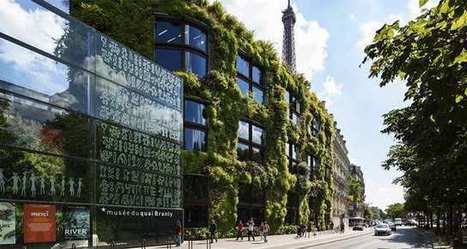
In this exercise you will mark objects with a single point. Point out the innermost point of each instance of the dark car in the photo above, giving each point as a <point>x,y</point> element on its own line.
<point>358,227</point>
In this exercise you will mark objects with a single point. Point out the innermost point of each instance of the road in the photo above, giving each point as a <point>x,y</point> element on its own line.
<point>404,237</point>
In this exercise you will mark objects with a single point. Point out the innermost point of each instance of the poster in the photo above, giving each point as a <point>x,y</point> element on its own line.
<point>7,223</point>
<point>39,223</point>
<point>76,224</point>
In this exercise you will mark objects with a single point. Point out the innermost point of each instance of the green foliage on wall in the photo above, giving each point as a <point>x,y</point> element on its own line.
<point>227,39</point>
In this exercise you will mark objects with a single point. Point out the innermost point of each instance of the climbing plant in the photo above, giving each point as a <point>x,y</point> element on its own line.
<point>132,23</point>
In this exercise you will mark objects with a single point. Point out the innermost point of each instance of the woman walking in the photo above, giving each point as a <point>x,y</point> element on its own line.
<point>239,229</point>
<point>251,229</point>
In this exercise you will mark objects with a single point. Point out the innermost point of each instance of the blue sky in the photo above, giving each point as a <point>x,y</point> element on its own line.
<point>330,36</point>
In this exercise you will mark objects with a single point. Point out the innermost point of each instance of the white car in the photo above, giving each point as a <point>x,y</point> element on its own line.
<point>382,229</point>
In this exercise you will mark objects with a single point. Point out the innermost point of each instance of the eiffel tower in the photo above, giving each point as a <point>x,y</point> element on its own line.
<point>288,43</point>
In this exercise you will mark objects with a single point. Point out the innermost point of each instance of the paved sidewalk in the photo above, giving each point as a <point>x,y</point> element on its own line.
<point>275,241</point>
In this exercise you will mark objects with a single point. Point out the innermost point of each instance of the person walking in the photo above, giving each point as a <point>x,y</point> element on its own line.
<point>178,234</point>
<point>212,231</point>
<point>251,229</point>
<point>239,228</point>
<point>265,231</point>
<point>308,229</point>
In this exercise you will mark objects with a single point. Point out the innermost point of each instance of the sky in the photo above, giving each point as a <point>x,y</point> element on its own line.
<point>330,37</point>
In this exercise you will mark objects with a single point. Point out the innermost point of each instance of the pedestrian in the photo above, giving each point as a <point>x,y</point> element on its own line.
<point>265,231</point>
<point>302,230</point>
<point>251,229</point>
<point>342,227</point>
<point>212,231</point>
<point>308,229</point>
<point>299,232</point>
<point>239,229</point>
<point>178,234</point>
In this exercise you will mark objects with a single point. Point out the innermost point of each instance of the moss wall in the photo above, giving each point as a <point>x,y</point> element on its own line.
<point>132,23</point>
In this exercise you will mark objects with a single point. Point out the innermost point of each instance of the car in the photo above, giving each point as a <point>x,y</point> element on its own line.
<point>382,229</point>
<point>411,222</point>
<point>358,227</point>
<point>391,225</point>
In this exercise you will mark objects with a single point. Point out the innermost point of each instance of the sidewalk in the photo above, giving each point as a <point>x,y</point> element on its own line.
<point>273,241</point>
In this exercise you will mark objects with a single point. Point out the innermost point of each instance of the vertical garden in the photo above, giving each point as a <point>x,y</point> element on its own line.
<point>132,22</point>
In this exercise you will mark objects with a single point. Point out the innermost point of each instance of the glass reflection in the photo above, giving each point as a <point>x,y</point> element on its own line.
<point>244,130</point>
<point>244,86</point>
<point>169,32</point>
<point>243,151</point>
<point>294,152</point>
<point>243,66</point>
<point>197,65</point>
<point>258,95</point>
<point>197,38</point>
<point>195,140</point>
<point>171,59</point>
<point>256,155</point>
<point>257,134</point>
<point>41,127</point>
<point>194,112</point>
<point>256,75</point>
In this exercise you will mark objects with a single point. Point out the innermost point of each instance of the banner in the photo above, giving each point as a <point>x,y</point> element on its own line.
<point>39,223</point>
<point>76,222</point>
<point>7,223</point>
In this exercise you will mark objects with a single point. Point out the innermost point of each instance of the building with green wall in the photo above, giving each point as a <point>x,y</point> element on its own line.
<point>258,142</point>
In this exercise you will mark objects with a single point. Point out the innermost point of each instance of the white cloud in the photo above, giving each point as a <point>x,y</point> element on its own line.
<point>35,27</point>
<point>415,10</point>
<point>264,17</point>
<point>331,90</point>
<point>352,17</point>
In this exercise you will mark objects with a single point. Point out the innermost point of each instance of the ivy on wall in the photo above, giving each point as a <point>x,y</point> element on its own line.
<point>132,23</point>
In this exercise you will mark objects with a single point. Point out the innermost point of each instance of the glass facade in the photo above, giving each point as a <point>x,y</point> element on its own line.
<point>250,144</point>
<point>181,46</point>
<point>249,80</point>
<point>90,138</point>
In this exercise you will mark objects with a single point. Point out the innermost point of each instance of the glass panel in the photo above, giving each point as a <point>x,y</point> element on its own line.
<point>294,118</point>
<point>42,78</point>
<point>171,59</point>
<point>63,5</point>
<point>194,112</point>
<point>35,176</point>
<point>244,130</point>
<point>168,32</point>
<point>243,151</point>
<point>120,105</point>
<point>256,75</point>
<point>256,155</point>
<point>198,39</point>
<point>197,64</point>
<point>36,126</point>
<point>287,96</point>
<point>258,95</point>
<point>294,152</point>
<point>257,134</point>
<point>131,160</point>
<point>195,140</point>
<point>287,149</point>
<point>244,86</point>
<point>243,66</point>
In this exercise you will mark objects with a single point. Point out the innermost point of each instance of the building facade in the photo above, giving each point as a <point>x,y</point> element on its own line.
<point>356,209</point>
<point>258,142</point>
<point>341,174</point>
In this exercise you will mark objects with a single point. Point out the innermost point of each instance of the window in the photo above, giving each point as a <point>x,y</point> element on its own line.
<point>250,142</point>
<point>313,163</point>
<point>172,58</point>
<point>195,140</point>
<point>194,112</point>
<point>292,151</point>
<point>196,64</point>
<point>294,108</point>
<point>168,32</point>
<point>181,47</point>
<point>195,129</point>
<point>316,126</point>
<point>249,80</point>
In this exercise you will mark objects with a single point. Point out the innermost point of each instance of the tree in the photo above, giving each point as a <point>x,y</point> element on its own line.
<point>396,210</point>
<point>429,55</point>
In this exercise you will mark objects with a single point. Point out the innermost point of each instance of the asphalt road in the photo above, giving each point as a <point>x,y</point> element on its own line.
<point>404,237</point>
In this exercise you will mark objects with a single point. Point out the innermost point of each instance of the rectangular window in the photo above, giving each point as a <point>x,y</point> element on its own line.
<point>194,112</point>
<point>195,140</point>
<point>171,59</point>
<point>257,134</point>
<point>256,75</point>
<point>243,67</point>
<point>244,86</point>
<point>258,95</point>
<point>197,39</point>
<point>169,32</point>
<point>243,151</point>
<point>197,64</point>
<point>244,130</point>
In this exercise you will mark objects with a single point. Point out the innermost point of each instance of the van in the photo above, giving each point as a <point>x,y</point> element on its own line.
<point>398,221</point>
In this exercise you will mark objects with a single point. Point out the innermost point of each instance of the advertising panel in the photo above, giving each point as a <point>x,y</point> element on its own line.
<point>39,223</point>
<point>7,223</point>
<point>76,226</point>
